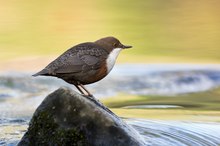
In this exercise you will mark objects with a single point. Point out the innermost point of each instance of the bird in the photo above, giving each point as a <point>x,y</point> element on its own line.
<point>85,63</point>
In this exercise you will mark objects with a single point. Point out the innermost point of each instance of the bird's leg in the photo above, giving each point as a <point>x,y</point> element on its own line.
<point>83,90</point>
<point>80,90</point>
<point>88,93</point>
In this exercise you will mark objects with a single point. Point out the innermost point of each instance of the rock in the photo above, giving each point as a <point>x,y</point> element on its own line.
<point>66,118</point>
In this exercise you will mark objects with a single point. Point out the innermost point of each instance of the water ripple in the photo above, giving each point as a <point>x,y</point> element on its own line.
<point>175,133</point>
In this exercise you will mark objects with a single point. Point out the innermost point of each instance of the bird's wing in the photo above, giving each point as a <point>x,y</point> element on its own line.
<point>81,58</point>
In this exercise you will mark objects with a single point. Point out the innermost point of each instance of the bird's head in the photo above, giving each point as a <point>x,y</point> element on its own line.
<point>111,43</point>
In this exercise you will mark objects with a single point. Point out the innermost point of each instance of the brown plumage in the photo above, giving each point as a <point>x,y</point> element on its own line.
<point>85,63</point>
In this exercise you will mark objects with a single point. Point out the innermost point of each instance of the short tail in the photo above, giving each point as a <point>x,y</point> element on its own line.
<point>43,72</point>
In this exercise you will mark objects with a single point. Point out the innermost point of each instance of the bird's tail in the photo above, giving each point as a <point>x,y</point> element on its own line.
<point>43,72</point>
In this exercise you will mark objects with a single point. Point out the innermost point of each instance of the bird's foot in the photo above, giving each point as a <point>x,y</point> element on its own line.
<point>91,97</point>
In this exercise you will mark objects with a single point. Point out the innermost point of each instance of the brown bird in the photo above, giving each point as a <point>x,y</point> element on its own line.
<point>85,63</point>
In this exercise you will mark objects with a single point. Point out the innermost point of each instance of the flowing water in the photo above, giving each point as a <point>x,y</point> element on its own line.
<point>20,94</point>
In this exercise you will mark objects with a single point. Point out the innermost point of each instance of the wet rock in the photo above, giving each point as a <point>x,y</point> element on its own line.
<point>69,119</point>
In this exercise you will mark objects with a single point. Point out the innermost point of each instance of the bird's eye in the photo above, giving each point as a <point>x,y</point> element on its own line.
<point>114,44</point>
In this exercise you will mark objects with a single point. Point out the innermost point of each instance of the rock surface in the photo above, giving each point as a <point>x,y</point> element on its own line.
<point>66,118</point>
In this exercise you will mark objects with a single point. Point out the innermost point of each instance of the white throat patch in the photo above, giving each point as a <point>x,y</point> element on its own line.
<point>112,58</point>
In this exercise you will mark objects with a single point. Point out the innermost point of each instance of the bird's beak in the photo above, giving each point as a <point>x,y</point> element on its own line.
<point>125,46</point>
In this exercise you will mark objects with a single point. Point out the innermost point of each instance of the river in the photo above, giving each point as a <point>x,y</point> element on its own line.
<point>20,94</point>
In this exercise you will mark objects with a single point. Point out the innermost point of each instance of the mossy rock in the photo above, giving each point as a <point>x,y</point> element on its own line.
<point>66,118</point>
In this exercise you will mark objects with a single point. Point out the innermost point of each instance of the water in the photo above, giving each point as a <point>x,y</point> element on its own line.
<point>11,130</point>
<point>156,133</point>
<point>176,133</point>
<point>20,94</point>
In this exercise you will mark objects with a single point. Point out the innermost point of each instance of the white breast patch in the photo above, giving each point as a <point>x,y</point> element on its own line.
<point>112,58</point>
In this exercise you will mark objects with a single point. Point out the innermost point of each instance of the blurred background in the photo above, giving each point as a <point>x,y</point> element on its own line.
<point>160,31</point>
<point>167,86</point>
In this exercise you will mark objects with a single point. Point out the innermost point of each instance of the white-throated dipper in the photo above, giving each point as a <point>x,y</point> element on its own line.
<point>85,63</point>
